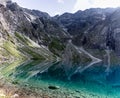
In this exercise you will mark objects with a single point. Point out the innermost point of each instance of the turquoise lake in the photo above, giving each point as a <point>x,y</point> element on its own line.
<point>94,81</point>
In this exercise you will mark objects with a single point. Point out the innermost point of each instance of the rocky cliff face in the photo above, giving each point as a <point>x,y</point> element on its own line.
<point>35,24</point>
<point>93,28</point>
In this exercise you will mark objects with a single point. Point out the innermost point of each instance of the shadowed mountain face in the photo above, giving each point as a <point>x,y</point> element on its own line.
<point>95,28</point>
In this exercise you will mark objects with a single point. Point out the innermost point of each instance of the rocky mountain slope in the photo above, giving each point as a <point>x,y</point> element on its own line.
<point>95,29</point>
<point>15,46</point>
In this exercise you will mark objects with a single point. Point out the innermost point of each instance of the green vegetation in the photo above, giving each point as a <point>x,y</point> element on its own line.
<point>12,49</point>
<point>28,47</point>
<point>29,65</point>
<point>18,51</point>
<point>7,70</point>
<point>76,59</point>
<point>56,46</point>
<point>30,51</point>
<point>23,39</point>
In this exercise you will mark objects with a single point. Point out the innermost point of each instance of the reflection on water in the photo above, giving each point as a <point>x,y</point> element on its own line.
<point>41,74</point>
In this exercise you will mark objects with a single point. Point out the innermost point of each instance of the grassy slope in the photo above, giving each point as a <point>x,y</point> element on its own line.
<point>17,49</point>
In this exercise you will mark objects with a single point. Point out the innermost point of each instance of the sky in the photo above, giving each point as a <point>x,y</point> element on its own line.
<point>54,7</point>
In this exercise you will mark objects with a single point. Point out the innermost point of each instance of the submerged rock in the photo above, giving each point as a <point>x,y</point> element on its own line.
<point>54,87</point>
<point>77,91</point>
<point>15,96</point>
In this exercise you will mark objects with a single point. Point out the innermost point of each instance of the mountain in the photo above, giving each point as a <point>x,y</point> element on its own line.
<point>21,31</point>
<point>86,37</point>
<point>37,50</point>
<point>93,28</point>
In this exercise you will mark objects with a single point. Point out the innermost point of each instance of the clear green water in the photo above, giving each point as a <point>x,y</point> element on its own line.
<point>92,83</point>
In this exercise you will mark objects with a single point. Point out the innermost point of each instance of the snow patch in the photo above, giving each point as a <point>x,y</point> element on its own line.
<point>30,17</point>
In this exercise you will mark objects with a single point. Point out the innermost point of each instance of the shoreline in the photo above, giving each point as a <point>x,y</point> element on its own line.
<point>9,90</point>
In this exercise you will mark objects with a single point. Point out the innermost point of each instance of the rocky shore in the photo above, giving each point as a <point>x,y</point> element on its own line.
<point>10,90</point>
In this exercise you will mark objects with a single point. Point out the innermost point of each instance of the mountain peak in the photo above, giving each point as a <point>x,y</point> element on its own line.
<point>4,2</point>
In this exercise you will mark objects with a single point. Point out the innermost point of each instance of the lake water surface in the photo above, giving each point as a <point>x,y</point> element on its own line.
<point>94,82</point>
